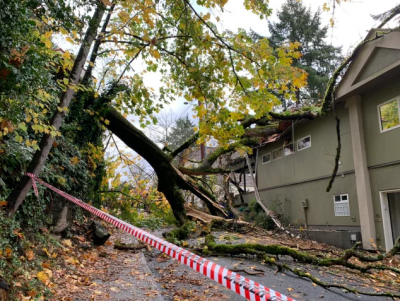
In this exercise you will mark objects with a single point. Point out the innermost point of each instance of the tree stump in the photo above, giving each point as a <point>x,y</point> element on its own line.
<point>100,234</point>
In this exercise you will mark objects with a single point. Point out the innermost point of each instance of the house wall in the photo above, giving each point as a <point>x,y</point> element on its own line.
<point>285,182</point>
<point>306,173</point>
<point>383,149</point>
<point>310,163</point>
<point>382,178</point>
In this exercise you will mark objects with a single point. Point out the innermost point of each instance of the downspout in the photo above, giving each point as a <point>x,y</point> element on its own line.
<point>256,167</point>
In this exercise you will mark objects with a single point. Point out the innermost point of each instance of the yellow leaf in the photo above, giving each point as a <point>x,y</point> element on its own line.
<point>74,160</point>
<point>67,243</point>
<point>43,277</point>
<point>30,255</point>
<point>107,121</point>
<point>48,34</point>
<point>8,252</point>
<point>67,55</point>
<point>3,203</point>
<point>48,43</point>
<point>47,252</point>
<point>124,16</point>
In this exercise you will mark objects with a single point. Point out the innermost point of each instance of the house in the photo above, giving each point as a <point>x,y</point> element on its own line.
<point>364,202</point>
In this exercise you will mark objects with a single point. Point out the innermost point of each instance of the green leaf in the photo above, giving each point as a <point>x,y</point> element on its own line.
<point>22,126</point>
<point>18,138</point>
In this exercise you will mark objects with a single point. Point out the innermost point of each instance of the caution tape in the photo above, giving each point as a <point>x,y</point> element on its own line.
<point>243,286</point>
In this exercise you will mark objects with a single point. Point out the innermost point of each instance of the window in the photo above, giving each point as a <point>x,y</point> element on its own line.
<point>277,154</point>
<point>288,149</point>
<point>266,158</point>
<point>341,203</point>
<point>389,117</point>
<point>304,143</point>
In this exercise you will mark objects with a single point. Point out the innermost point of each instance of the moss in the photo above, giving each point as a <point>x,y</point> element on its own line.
<point>185,145</point>
<point>177,234</point>
<point>211,158</point>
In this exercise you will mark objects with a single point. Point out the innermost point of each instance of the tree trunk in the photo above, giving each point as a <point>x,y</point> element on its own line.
<point>62,214</point>
<point>19,193</point>
<point>170,179</point>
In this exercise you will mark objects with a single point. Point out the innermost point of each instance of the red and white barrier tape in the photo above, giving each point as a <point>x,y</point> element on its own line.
<point>243,286</point>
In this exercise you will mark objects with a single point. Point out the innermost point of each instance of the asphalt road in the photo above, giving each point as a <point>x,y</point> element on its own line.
<point>174,278</point>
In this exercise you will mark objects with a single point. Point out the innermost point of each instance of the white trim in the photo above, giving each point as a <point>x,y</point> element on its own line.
<point>272,154</point>
<point>341,202</point>
<point>270,158</point>
<point>387,225</point>
<point>297,144</point>
<point>379,114</point>
<point>294,149</point>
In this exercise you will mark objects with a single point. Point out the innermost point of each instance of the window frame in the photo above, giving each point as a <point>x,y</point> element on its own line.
<point>270,158</point>
<point>283,149</point>
<point>341,202</point>
<point>297,144</point>
<point>379,114</point>
<point>272,154</point>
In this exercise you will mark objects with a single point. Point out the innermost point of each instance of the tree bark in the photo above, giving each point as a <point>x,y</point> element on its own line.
<point>19,193</point>
<point>170,179</point>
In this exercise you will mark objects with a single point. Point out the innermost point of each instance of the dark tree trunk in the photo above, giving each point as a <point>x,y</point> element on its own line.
<point>170,179</point>
<point>19,193</point>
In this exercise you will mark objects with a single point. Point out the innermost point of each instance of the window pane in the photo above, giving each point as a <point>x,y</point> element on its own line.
<point>288,149</point>
<point>342,207</point>
<point>304,143</point>
<point>276,154</point>
<point>389,114</point>
<point>266,158</point>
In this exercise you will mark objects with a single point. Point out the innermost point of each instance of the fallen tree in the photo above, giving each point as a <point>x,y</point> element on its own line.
<point>363,264</point>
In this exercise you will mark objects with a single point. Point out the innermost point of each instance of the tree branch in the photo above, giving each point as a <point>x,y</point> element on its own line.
<point>185,145</point>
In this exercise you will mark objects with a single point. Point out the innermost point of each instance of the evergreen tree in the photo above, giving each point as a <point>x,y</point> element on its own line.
<point>183,130</point>
<point>298,23</point>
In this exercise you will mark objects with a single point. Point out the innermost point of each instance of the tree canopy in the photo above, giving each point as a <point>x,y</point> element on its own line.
<point>297,23</point>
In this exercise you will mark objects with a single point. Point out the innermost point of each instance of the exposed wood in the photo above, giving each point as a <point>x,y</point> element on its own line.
<point>201,216</point>
<point>270,213</point>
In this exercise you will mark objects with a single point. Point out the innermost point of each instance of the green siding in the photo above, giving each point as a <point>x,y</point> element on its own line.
<point>384,178</point>
<point>320,209</point>
<point>381,147</point>
<point>313,162</point>
<point>308,165</point>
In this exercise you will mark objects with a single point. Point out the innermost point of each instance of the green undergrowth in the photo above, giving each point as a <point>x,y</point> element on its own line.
<point>255,214</point>
<point>24,254</point>
<point>155,217</point>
